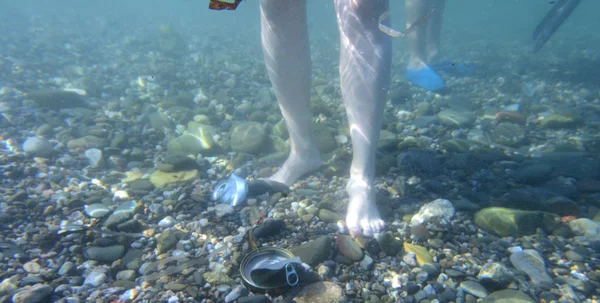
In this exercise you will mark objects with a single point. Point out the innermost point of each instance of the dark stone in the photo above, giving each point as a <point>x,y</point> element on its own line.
<point>412,288</point>
<point>419,162</point>
<point>535,198</point>
<point>262,186</point>
<point>254,299</point>
<point>269,228</point>
<point>533,174</point>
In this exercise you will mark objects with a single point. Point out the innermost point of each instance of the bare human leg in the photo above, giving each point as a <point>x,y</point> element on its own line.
<point>286,51</point>
<point>423,43</point>
<point>433,29</point>
<point>365,61</point>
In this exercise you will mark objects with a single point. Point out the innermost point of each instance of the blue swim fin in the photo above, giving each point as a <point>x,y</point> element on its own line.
<point>426,78</point>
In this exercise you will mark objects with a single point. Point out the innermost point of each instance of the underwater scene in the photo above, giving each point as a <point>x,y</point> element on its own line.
<point>414,151</point>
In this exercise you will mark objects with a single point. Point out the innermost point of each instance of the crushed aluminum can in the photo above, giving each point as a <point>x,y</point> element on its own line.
<point>232,190</point>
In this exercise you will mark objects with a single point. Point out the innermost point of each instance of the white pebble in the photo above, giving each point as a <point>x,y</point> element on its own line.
<point>95,278</point>
<point>94,157</point>
<point>121,195</point>
<point>167,221</point>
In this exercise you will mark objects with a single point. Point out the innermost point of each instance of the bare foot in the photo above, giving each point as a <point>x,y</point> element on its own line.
<point>296,166</point>
<point>362,217</point>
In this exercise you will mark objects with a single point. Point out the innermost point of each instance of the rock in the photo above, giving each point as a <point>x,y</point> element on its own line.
<point>389,244</point>
<point>96,210</point>
<point>348,247</point>
<point>495,275</point>
<point>322,292</point>
<point>95,278</point>
<point>328,216</point>
<point>248,137</point>
<point>506,222</point>
<point>127,275</point>
<point>173,163</point>
<point>325,138</point>
<point>161,179</point>
<point>533,173</point>
<point>585,227</point>
<point>315,251</point>
<point>57,99</point>
<point>66,269</point>
<point>32,267</point>
<point>262,186</point>
<point>535,198</point>
<point>104,254</point>
<point>508,296</point>
<point>94,157</point>
<point>420,252</point>
<point>32,294</point>
<point>438,211</point>
<point>532,263</point>
<point>167,221</point>
<point>564,119</point>
<point>86,142</point>
<point>37,147</point>
<point>366,262</point>
<point>254,299</point>
<point>508,134</point>
<point>167,240</point>
<point>269,228</point>
<point>141,185</point>
<point>474,288</point>
<point>574,256</point>
<point>235,293</point>
<point>387,140</point>
<point>453,118</point>
<point>432,269</point>
<point>419,162</point>
<point>198,138</point>
<point>222,210</point>
<point>122,213</point>
<point>217,277</point>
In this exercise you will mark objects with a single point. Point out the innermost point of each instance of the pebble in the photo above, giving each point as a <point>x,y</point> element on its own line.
<point>348,247</point>
<point>32,294</point>
<point>105,254</point>
<point>66,269</point>
<point>96,210</point>
<point>37,147</point>
<point>235,293</point>
<point>167,221</point>
<point>323,291</point>
<point>32,267</point>
<point>574,256</point>
<point>94,157</point>
<point>95,278</point>
<point>366,262</point>
<point>223,209</point>
<point>437,211</point>
<point>474,288</point>
<point>532,263</point>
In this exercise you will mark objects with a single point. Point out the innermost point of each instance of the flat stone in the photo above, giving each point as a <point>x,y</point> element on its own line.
<point>349,248</point>
<point>322,292</point>
<point>32,294</point>
<point>104,254</point>
<point>315,251</point>
<point>532,263</point>
<point>508,296</point>
<point>420,252</point>
<point>161,179</point>
<point>474,288</point>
